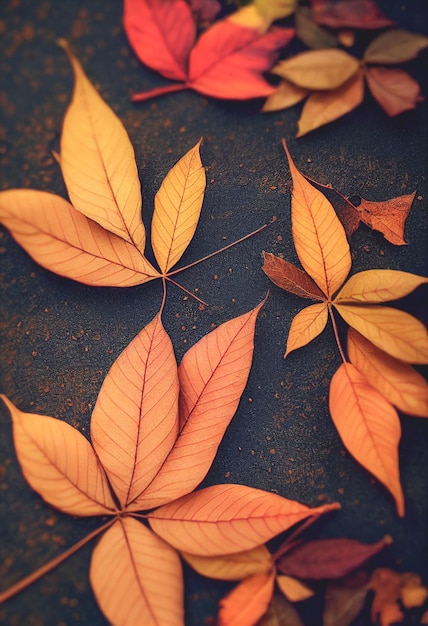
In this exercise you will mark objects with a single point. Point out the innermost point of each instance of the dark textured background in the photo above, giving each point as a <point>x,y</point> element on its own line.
<point>59,338</point>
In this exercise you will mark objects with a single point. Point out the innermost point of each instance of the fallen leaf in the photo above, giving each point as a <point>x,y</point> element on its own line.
<point>248,602</point>
<point>399,382</point>
<point>285,95</point>
<point>349,14</point>
<point>318,69</point>
<point>205,10</point>
<point>328,558</point>
<point>344,599</point>
<point>374,286</point>
<point>306,326</point>
<point>231,566</point>
<point>310,32</point>
<point>386,585</point>
<point>395,46</point>
<point>368,426</point>
<point>280,613</point>
<point>275,9</point>
<point>291,278</point>
<point>293,589</point>
<point>394,89</point>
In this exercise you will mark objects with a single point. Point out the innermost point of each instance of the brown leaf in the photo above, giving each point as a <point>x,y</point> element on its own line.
<point>310,32</point>
<point>248,602</point>
<point>328,558</point>
<point>394,89</point>
<point>388,216</point>
<point>387,586</point>
<point>291,278</point>
<point>344,599</point>
<point>280,613</point>
<point>368,426</point>
<point>349,14</point>
<point>395,46</point>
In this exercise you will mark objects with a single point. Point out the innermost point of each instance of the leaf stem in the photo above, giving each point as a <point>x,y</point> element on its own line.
<point>336,333</point>
<point>290,541</point>
<point>185,290</point>
<point>159,91</point>
<point>44,569</point>
<point>230,245</point>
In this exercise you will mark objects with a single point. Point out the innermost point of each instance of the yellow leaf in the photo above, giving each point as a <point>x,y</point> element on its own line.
<point>368,426</point>
<point>293,589</point>
<point>318,235</point>
<point>378,286</point>
<point>248,602</point>
<point>286,95</point>
<point>60,464</point>
<point>306,325</point>
<point>98,162</point>
<point>66,242</point>
<point>399,382</point>
<point>320,69</point>
<point>177,208</point>
<point>136,577</point>
<point>275,9</point>
<point>399,334</point>
<point>395,46</point>
<point>232,566</point>
<point>324,107</point>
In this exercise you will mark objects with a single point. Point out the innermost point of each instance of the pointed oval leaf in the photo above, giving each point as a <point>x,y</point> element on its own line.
<point>212,375</point>
<point>306,325</point>
<point>64,241</point>
<point>399,334</point>
<point>368,426</point>
<point>225,519</point>
<point>324,107</point>
<point>248,602</point>
<point>344,599</point>
<point>404,387</point>
<point>162,33</point>
<point>231,566</point>
<point>135,419</point>
<point>291,278</point>
<point>394,89</point>
<point>285,95</point>
<point>60,464</point>
<point>293,589</point>
<point>395,46</point>
<point>280,613</point>
<point>328,558</point>
<point>228,60</point>
<point>177,208</point>
<point>318,69</point>
<point>318,235</point>
<point>137,577</point>
<point>379,286</point>
<point>98,162</point>
<point>349,14</point>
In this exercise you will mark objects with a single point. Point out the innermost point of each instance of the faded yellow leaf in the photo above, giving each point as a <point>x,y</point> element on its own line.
<point>306,325</point>
<point>374,286</point>
<point>286,95</point>
<point>275,9</point>
<point>395,46</point>
<point>293,589</point>
<point>318,69</point>
<point>98,162</point>
<point>398,333</point>
<point>231,566</point>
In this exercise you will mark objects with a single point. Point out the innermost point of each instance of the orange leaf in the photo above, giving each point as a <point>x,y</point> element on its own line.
<point>324,107</point>
<point>212,375</point>
<point>379,286</point>
<point>60,464</point>
<point>177,208</point>
<point>248,602</point>
<point>98,162</point>
<point>135,419</point>
<point>395,46</point>
<point>399,334</point>
<point>66,242</point>
<point>224,519</point>
<point>286,95</point>
<point>318,235</point>
<point>231,566</point>
<point>368,426</point>
<point>291,278</point>
<point>399,382</point>
<point>388,217</point>
<point>293,589</point>
<point>306,325</point>
<point>136,577</point>
<point>394,89</point>
<point>318,69</point>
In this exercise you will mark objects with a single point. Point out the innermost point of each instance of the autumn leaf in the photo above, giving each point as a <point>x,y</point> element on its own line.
<point>231,566</point>
<point>349,14</point>
<point>280,612</point>
<point>395,46</point>
<point>248,602</point>
<point>394,89</point>
<point>310,32</point>
<point>228,59</point>
<point>137,424</point>
<point>344,599</point>
<point>293,589</point>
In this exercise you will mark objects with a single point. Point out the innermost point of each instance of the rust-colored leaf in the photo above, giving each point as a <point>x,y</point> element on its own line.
<point>59,463</point>
<point>327,68</point>
<point>248,602</point>
<point>136,577</point>
<point>306,326</point>
<point>394,89</point>
<point>395,46</point>
<point>374,286</point>
<point>291,278</point>
<point>399,382</point>
<point>135,420</point>
<point>386,584</point>
<point>368,426</point>
<point>224,519</point>
<point>324,107</point>
<point>349,14</point>
<point>318,235</point>
<point>293,589</point>
<point>212,375</point>
<point>231,566</point>
<point>328,558</point>
<point>398,333</point>
<point>388,216</point>
<point>177,208</point>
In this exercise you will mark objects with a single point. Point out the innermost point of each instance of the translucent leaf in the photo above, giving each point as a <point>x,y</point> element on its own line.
<point>177,208</point>
<point>231,566</point>
<point>318,69</point>
<point>248,602</point>
<point>60,464</point>
<point>136,577</point>
<point>306,325</point>
<point>379,286</point>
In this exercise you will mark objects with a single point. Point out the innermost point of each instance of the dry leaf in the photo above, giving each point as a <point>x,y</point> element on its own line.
<point>306,326</point>
<point>310,32</point>
<point>344,599</point>
<point>394,89</point>
<point>374,286</point>
<point>291,278</point>
<point>293,589</point>
<point>280,613</point>
<point>318,69</point>
<point>387,585</point>
<point>231,566</point>
<point>248,602</point>
<point>368,426</point>
<point>286,95</point>
<point>395,46</point>
<point>349,14</point>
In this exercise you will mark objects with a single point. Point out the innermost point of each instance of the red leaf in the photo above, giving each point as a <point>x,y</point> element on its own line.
<point>328,558</point>
<point>291,278</point>
<point>394,89</point>
<point>349,14</point>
